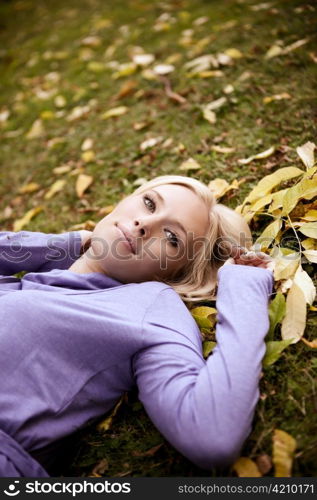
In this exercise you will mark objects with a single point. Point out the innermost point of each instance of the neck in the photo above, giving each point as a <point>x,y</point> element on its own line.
<point>85,264</point>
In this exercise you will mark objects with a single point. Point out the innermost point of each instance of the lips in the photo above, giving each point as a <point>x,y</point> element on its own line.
<point>128,236</point>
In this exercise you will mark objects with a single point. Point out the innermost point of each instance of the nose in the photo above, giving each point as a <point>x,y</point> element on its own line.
<point>142,228</point>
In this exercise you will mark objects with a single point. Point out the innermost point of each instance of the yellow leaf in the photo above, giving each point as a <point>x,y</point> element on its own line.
<point>284,446</point>
<point>294,322</point>
<point>189,164</point>
<point>96,66</point>
<point>87,144</point>
<point>125,69</point>
<point>120,110</point>
<point>88,156</point>
<point>306,188</point>
<point>63,169</point>
<point>60,101</point>
<point>305,283</point>
<point>204,316</point>
<point>276,97</point>
<point>269,234</point>
<point>255,207</point>
<point>233,53</point>
<point>150,143</point>
<point>82,183</point>
<point>106,423</point>
<point>20,223</point>
<point>209,115</point>
<point>55,188</point>
<point>309,229</point>
<point>286,263</point>
<point>37,130</point>
<point>259,156</point>
<point>245,467</point>
<point>143,59</point>
<point>309,244</point>
<point>222,149</point>
<point>269,182</point>
<point>273,51</point>
<point>306,154</point>
<point>218,187</point>
<point>311,215</point>
<point>311,255</point>
<point>277,199</point>
<point>313,343</point>
<point>29,188</point>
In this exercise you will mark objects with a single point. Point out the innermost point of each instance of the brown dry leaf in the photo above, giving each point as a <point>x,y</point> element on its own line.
<point>55,188</point>
<point>245,467</point>
<point>20,223</point>
<point>294,322</point>
<point>189,164</point>
<point>264,463</point>
<point>106,210</point>
<point>148,453</point>
<point>306,154</point>
<point>100,468</point>
<point>29,188</point>
<point>82,183</point>
<point>89,225</point>
<point>120,110</point>
<point>141,125</point>
<point>36,130</point>
<point>126,89</point>
<point>284,446</point>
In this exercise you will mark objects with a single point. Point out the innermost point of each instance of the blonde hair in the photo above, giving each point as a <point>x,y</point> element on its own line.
<point>198,280</point>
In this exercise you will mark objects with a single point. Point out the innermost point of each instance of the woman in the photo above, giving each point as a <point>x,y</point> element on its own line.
<point>77,331</point>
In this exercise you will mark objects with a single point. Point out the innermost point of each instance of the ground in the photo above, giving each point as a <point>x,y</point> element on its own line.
<point>56,56</point>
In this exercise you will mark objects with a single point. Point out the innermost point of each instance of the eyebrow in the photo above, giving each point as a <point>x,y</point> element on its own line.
<point>177,223</point>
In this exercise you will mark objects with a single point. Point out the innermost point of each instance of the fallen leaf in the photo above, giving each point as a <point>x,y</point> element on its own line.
<point>309,229</point>
<point>210,116</point>
<point>29,188</point>
<point>120,110</point>
<point>20,223</point>
<point>222,149</point>
<point>88,156</point>
<point>82,183</point>
<point>148,453</point>
<point>189,164</point>
<point>277,308</point>
<point>233,53</point>
<point>63,169</point>
<point>294,322</point>
<point>143,59</point>
<point>245,467</point>
<point>259,156</point>
<point>218,187</point>
<point>204,316</point>
<point>107,422</point>
<point>276,97</point>
<point>305,283</point>
<point>36,130</point>
<point>269,234</point>
<point>312,343</point>
<point>150,143</point>
<point>306,154</point>
<point>78,112</point>
<point>91,41</point>
<point>126,89</point>
<point>87,144</point>
<point>124,69</point>
<point>163,69</point>
<point>55,188</point>
<point>311,255</point>
<point>284,446</point>
<point>60,101</point>
<point>218,103</point>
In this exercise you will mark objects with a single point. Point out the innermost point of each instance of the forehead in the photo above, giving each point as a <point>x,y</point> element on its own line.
<point>185,206</point>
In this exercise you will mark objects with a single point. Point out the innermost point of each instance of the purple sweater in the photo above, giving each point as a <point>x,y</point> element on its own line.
<point>71,344</point>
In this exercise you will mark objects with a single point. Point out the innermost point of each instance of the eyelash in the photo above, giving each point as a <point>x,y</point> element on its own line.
<point>174,240</point>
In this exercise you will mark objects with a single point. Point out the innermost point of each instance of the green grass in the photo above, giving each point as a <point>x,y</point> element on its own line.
<point>38,38</point>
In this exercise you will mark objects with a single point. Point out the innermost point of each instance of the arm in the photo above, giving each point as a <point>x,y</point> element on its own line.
<point>205,408</point>
<point>35,251</point>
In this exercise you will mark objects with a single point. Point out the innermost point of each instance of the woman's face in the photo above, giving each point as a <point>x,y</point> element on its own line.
<point>151,235</point>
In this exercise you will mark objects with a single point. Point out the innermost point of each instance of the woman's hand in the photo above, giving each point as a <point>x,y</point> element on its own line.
<point>246,257</point>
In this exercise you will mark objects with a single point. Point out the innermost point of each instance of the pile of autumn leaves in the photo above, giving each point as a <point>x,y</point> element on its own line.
<point>293,211</point>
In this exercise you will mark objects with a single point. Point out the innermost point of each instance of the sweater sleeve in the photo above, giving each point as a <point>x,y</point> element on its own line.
<point>35,251</point>
<point>204,408</point>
